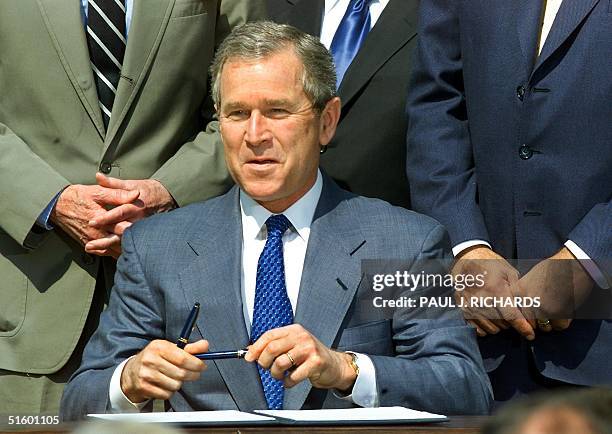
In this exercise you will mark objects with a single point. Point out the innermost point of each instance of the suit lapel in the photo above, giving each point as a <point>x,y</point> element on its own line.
<point>149,21</point>
<point>330,278</point>
<point>213,279</point>
<point>65,26</point>
<point>395,27</point>
<point>528,15</point>
<point>570,15</point>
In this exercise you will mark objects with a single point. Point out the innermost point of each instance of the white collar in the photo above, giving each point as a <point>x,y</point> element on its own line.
<point>300,214</point>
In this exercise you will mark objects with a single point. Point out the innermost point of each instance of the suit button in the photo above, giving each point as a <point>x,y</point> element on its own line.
<point>520,92</point>
<point>106,167</point>
<point>525,152</point>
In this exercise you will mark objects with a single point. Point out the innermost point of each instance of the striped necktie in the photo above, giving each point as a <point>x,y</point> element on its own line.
<point>106,42</point>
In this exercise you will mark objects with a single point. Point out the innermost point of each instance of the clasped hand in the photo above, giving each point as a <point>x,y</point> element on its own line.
<point>97,215</point>
<point>559,283</point>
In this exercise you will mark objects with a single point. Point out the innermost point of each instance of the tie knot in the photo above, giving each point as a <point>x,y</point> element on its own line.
<point>277,225</point>
<point>359,5</point>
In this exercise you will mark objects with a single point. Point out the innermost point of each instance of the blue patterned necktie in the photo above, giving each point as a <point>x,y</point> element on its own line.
<point>272,305</point>
<point>349,37</point>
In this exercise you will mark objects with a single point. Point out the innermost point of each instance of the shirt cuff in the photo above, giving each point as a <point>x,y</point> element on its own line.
<point>118,401</point>
<point>467,244</point>
<point>588,264</point>
<point>364,393</point>
<point>43,218</point>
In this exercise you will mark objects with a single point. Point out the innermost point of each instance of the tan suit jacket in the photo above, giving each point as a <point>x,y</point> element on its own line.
<point>52,135</point>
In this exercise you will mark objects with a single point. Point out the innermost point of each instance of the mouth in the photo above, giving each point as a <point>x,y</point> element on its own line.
<point>262,161</point>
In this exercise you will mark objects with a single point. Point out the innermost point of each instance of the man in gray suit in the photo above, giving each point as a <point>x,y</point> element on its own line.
<point>297,306</point>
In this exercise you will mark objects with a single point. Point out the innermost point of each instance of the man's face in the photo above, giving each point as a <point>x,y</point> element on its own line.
<point>271,133</point>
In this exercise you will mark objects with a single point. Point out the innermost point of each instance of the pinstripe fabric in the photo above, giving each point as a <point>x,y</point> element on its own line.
<point>106,42</point>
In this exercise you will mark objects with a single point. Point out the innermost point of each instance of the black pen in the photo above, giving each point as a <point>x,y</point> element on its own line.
<point>189,325</point>
<point>215,355</point>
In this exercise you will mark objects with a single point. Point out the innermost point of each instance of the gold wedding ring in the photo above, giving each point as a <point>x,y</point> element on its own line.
<point>290,359</point>
<point>544,325</point>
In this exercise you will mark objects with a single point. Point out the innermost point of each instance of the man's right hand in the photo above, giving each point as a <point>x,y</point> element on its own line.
<point>160,369</point>
<point>78,204</point>
<point>500,280</point>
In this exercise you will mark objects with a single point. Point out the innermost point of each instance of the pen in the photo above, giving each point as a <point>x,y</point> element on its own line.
<point>189,325</point>
<point>215,355</point>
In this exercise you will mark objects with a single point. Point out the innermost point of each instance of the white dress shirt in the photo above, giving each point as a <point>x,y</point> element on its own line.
<point>550,13</point>
<point>295,243</point>
<point>334,11</point>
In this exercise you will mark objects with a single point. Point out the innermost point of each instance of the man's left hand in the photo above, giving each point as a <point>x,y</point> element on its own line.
<point>562,285</point>
<point>293,350</point>
<point>153,198</point>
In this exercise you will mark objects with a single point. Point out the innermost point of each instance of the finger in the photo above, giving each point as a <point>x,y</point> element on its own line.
<point>284,363</point>
<point>274,349</point>
<point>560,324</point>
<point>119,228</point>
<point>197,347</point>
<point>110,182</point>
<point>115,197</point>
<point>177,372</point>
<point>102,243</point>
<point>502,324</point>
<point>117,215</point>
<point>301,373</point>
<point>258,346</point>
<point>487,326</point>
<point>522,326</point>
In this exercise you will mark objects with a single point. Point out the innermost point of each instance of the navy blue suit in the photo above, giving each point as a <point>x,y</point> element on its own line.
<point>516,149</point>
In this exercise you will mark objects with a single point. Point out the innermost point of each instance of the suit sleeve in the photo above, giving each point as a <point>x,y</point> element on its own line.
<point>594,236</point>
<point>132,320</point>
<point>440,165</point>
<point>27,185</point>
<point>437,363</point>
<point>198,171</point>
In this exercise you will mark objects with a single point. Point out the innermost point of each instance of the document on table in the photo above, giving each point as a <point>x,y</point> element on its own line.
<point>353,416</point>
<point>191,418</point>
<point>349,416</point>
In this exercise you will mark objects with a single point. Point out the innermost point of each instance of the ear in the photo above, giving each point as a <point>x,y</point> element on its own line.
<point>329,121</point>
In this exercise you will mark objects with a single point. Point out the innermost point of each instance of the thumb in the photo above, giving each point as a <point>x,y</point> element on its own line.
<point>110,196</point>
<point>200,346</point>
<point>109,182</point>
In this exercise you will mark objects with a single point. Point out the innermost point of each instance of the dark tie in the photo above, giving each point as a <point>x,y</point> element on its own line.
<point>350,35</point>
<point>272,305</point>
<point>106,42</point>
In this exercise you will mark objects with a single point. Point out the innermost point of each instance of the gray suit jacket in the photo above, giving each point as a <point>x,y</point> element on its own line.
<point>193,254</point>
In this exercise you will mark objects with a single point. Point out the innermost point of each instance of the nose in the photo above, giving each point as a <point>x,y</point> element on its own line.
<point>257,131</point>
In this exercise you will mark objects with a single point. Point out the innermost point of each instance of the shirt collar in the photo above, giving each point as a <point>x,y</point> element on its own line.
<point>300,214</point>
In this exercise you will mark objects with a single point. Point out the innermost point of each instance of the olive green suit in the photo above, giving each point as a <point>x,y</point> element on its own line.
<point>52,135</point>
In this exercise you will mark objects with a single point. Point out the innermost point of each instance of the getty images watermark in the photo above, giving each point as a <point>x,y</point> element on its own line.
<point>427,289</point>
<point>408,281</point>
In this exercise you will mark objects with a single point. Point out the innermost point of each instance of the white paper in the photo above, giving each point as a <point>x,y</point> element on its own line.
<point>188,417</point>
<point>353,415</point>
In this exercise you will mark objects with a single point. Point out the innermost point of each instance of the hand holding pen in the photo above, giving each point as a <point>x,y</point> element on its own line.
<point>162,367</point>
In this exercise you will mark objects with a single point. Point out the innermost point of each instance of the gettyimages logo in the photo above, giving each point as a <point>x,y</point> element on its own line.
<point>482,289</point>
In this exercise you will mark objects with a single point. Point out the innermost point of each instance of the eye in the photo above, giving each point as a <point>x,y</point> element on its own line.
<point>238,115</point>
<point>278,113</point>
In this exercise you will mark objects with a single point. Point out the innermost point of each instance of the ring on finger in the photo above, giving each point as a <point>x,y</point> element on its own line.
<point>290,359</point>
<point>544,324</point>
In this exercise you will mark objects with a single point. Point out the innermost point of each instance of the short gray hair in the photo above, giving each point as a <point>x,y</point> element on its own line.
<point>260,39</point>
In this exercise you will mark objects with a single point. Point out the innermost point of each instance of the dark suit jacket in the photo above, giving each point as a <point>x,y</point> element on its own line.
<point>193,254</point>
<point>516,149</point>
<point>368,154</point>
